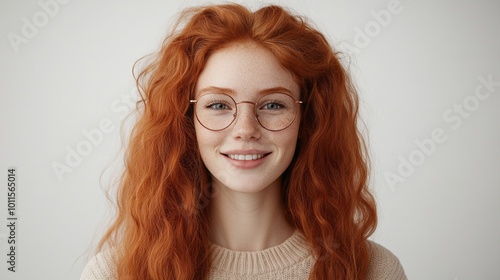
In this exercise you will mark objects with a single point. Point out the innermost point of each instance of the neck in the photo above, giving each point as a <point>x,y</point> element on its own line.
<point>248,221</point>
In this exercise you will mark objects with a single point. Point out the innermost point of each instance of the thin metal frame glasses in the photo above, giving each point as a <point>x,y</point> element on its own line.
<point>217,111</point>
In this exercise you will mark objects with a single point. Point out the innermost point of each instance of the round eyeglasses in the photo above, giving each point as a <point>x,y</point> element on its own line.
<point>217,111</point>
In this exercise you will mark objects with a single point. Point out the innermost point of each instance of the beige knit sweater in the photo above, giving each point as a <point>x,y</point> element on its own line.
<point>291,260</point>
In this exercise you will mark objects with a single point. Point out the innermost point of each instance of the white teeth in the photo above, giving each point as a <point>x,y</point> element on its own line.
<point>245,157</point>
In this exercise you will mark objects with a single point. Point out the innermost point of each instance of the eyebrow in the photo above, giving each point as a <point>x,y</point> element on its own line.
<point>232,92</point>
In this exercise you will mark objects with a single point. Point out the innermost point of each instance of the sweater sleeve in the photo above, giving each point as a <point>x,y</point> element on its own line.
<point>384,264</point>
<point>100,267</point>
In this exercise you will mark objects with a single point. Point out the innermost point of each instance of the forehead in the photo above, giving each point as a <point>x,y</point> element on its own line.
<point>246,69</point>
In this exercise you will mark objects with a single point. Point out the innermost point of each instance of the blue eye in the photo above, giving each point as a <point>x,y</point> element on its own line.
<point>273,106</point>
<point>217,105</point>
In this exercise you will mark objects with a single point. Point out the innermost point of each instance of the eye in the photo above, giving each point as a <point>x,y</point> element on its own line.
<point>273,105</point>
<point>217,105</point>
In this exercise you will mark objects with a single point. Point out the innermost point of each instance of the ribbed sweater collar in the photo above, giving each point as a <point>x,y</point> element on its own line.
<point>289,253</point>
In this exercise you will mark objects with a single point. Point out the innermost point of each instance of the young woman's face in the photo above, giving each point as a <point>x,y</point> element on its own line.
<point>246,157</point>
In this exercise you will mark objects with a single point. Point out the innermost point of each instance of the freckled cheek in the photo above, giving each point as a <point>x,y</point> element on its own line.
<point>208,141</point>
<point>293,131</point>
<point>287,142</point>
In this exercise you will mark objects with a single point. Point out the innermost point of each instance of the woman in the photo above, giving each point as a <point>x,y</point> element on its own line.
<point>246,161</point>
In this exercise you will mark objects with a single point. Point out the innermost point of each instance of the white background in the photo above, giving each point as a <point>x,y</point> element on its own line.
<point>72,71</point>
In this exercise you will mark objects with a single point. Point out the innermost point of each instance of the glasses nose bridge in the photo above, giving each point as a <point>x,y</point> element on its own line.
<point>247,102</point>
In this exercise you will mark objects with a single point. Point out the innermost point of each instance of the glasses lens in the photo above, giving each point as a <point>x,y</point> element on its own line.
<point>276,111</point>
<point>215,111</point>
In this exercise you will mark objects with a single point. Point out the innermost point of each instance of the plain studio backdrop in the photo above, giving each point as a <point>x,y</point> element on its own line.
<point>428,74</point>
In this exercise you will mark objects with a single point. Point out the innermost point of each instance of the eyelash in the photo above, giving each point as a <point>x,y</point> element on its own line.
<point>216,102</point>
<point>281,105</point>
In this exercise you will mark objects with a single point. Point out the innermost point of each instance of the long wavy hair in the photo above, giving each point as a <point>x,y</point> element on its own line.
<point>161,229</point>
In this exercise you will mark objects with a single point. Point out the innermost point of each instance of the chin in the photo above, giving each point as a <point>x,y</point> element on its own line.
<point>247,189</point>
<point>248,184</point>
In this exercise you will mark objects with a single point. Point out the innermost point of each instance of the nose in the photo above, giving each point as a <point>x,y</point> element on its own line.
<point>246,126</point>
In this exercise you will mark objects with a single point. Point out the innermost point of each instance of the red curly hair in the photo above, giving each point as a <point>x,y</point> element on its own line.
<point>160,231</point>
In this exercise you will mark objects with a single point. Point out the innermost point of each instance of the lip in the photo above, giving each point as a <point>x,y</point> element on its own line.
<point>246,159</point>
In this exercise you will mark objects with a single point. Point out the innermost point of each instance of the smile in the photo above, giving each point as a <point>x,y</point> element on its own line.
<point>246,157</point>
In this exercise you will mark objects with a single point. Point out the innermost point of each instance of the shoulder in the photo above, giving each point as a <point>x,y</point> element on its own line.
<point>384,264</point>
<point>100,267</point>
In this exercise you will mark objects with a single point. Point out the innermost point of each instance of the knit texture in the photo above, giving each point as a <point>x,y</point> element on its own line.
<point>291,260</point>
